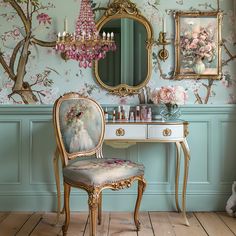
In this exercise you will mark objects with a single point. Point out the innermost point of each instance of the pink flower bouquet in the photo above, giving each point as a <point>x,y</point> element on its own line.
<point>175,95</point>
<point>169,98</point>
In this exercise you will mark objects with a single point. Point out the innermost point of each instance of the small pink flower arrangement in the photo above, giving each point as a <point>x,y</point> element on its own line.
<point>172,95</point>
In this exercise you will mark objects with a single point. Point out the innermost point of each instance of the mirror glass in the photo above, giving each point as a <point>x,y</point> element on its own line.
<point>128,64</point>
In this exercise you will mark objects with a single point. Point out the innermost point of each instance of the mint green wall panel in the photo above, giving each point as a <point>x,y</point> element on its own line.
<point>26,173</point>
<point>10,152</point>
<point>199,143</point>
<point>228,150</point>
<point>155,158</point>
<point>42,146</point>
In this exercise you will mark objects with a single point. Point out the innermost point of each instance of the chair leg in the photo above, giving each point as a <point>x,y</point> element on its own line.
<point>141,188</point>
<point>67,208</point>
<point>100,209</point>
<point>93,209</point>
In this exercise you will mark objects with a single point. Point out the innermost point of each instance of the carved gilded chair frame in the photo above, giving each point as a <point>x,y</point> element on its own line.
<point>126,9</point>
<point>178,73</point>
<point>94,192</point>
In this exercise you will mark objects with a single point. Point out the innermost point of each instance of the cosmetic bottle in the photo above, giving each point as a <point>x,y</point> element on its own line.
<point>143,113</point>
<point>131,116</point>
<point>137,116</point>
<point>114,115</point>
<point>149,114</point>
<point>106,114</point>
<point>119,113</point>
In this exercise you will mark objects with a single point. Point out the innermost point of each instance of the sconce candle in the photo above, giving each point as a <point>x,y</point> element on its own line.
<point>164,24</point>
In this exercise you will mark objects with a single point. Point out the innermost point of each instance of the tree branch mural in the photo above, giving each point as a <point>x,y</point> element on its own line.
<point>16,68</point>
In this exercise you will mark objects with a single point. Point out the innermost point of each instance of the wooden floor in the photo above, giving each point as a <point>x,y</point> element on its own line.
<point>153,223</point>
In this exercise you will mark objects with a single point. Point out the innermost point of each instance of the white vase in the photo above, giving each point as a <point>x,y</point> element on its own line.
<point>199,66</point>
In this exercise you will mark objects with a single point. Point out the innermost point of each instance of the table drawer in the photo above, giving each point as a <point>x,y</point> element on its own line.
<point>165,132</point>
<point>126,131</point>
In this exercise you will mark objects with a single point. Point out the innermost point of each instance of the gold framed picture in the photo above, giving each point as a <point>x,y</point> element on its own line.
<point>198,45</point>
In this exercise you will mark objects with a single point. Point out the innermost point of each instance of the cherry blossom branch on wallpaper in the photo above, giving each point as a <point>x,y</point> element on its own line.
<point>21,87</point>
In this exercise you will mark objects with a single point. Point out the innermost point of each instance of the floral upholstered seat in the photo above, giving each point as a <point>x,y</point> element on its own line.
<point>79,127</point>
<point>96,172</point>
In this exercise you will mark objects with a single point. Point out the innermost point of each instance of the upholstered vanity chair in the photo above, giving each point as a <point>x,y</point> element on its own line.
<point>79,127</point>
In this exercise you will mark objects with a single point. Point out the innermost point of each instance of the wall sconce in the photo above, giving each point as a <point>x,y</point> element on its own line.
<point>163,53</point>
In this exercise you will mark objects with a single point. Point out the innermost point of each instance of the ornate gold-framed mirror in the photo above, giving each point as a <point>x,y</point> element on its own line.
<point>127,69</point>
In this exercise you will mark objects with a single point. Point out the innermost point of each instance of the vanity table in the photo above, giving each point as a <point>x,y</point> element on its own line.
<point>120,134</point>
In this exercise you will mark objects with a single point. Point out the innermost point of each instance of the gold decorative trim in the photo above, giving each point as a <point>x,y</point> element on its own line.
<point>177,73</point>
<point>120,132</point>
<point>126,9</point>
<point>167,132</point>
<point>122,7</point>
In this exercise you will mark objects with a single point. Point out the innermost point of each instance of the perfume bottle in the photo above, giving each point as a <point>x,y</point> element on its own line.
<point>119,113</point>
<point>106,114</point>
<point>143,113</point>
<point>149,114</point>
<point>131,116</point>
<point>114,115</point>
<point>137,116</point>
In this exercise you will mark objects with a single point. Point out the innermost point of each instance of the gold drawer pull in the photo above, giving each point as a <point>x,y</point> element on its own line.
<point>120,132</point>
<point>167,132</point>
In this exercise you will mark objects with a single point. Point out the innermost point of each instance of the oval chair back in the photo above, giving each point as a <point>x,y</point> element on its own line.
<point>79,126</point>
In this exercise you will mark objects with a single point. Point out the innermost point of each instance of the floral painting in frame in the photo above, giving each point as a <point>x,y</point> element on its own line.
<point>198,45</point>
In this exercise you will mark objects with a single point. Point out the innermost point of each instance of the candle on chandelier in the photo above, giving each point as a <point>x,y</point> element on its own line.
<point>108,36</point>
<point>59,36</point>
<point>63,35</point>
<point>112,35</point>
<point>103,35</point>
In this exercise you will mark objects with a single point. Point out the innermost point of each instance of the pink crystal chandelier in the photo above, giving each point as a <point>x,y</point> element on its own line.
<point>85,45</point>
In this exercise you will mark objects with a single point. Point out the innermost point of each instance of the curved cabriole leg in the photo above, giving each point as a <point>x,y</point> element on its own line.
<point>100,209</point>
<point>57,178</point>
<point>177,176</point>
<point>185,148</point>
<point>67,208</point>
<point>141,188</point>
<point>93,208</point>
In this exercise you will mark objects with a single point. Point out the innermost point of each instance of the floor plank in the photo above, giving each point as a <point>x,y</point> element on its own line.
<point>46,226</point>
<point>103,229</point>
<point>3,215</point>
<point>161,224</point>
<point>146,226</point>
<point>77,224</point>
<point>177,221</point>
<point>228,220</point>
<point>213,225</point>
<point>30,224</point>
<point>122,224</point>
<point>13,223</point>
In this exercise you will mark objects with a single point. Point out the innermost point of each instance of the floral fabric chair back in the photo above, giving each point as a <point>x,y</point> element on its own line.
<point>79,124</point>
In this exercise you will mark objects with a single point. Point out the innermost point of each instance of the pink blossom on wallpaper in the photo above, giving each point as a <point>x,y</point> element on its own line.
<point>123,101</point>
<point>44,18</point>
<point>12,34</point>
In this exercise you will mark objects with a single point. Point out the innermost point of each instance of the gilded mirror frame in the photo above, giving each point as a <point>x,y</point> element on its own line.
<point>217,73</point>
<point>126,9</point>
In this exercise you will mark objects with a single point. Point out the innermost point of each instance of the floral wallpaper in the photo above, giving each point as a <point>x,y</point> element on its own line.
<point>31,72</point>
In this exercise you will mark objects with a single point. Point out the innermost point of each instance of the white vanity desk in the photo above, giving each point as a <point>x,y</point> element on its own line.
<point>124,134</point>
